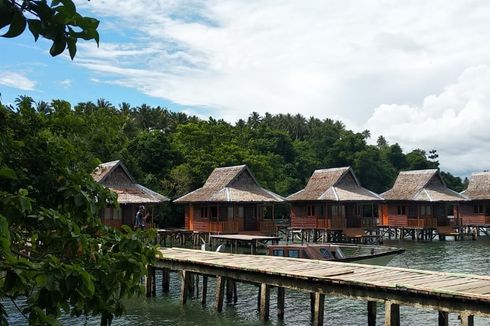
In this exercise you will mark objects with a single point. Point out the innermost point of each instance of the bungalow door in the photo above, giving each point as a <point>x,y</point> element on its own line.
<point>250,219</point>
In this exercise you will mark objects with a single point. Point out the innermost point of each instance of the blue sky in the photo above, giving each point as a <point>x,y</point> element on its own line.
<point>417,72</point>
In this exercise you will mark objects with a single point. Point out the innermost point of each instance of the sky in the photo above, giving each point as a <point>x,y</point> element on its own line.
<point>416,72</point>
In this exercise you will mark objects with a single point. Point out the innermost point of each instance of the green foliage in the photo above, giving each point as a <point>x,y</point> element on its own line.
<point>54,251</point>
<point>58,22</point>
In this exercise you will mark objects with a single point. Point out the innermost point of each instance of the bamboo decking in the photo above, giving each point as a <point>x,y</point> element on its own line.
<point>464,294</point>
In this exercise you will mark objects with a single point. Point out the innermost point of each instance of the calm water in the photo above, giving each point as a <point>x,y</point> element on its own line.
<point>449,256</point>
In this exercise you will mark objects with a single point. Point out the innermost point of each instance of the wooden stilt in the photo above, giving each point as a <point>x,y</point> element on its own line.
<point>443,319</point>
<point>312,305</point>
<point>467,320</point>
<point>392,314</point>
<point>265,291</point>
<point>280,303</point>
<point>220,289</point>
<point>165,280</point>
<point>229,291</point>
<point>371,309</point>
<point>153,282</point>
<point>196,287</point>
<point>318,309</point>
<point>204,289</point>
<point>235,293</point>
<point>148,280</point>
<point>184,286</point>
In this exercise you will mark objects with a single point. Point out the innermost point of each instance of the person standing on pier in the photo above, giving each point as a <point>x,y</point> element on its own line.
<point>138,221</point>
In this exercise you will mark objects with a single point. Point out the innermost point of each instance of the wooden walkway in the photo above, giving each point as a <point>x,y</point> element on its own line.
<point>467,295</point>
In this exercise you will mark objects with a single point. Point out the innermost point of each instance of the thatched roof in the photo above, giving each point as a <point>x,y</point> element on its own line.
<point>115,176</point>
<point>478,187</point>
<point>231,184</point>
<point>421,185</point>
<point>338,184</point>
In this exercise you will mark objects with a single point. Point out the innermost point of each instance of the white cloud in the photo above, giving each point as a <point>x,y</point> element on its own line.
<point>16,80</point>
<point>322,58</point>
<point>454,121</point>
<point>357,61</point>
<point>66,83</point>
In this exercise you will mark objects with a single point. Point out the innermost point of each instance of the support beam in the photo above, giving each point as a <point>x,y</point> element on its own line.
<point>371,310</point>
<point>280,303</point>
<point>220,291</point>
<point>392,314</point>
<point>265,295</point>
<point>467,320</point>
<point>204,289</point>
<point>318,309</point>
<point>443,319</point>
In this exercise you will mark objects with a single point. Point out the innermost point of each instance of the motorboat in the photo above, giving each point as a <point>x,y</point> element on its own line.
<point>354,253</point>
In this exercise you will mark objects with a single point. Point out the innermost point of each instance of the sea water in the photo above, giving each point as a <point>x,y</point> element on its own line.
<point>165,309</point>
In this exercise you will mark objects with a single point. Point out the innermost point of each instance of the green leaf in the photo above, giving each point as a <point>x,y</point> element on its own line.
<point>72,47</point>
<point>70,7</point>
<point>17,26</point>
<point>58,46</point>
<point>34,27</point>
<point>7,173</point>
<point>4,235</point>
<point>6,13</point>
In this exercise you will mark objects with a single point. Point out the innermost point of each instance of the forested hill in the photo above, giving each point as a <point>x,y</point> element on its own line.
<point>173,153</point>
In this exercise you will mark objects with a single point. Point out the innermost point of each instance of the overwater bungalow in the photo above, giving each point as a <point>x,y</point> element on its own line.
<point>334,199</point>
<point>130,195</point>
<point>420,199</point>
<point>476,212</point>
<point>231,201</point>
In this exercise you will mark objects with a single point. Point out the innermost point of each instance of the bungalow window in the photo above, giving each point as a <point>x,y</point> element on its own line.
<point>322,211</point>
<point>213,213</point>
<point>478,209</point>
<point>278,252</point>
<point>267,212</point>
<point>116,214</point>
<point>240,211</point>
<point>425,210</point>
<point>338,211</point>
<point>401,210</point>
<point>367,211</point>
<point>230,212</point>
<point>311,210</point>
<point>204,212</point>
<point>293,253</point>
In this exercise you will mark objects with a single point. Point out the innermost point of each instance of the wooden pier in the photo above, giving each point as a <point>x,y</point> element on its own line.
<point>466,295</point>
